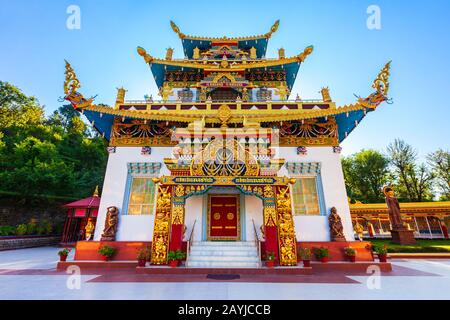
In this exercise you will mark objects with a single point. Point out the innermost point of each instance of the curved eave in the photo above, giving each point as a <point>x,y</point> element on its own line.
<point>103,116</point>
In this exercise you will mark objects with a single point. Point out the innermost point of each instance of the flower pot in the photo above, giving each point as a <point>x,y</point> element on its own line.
<point>324,259</point>
<point>270,264</point>
<point>352,258</point>
<point>141,263</point>
<point>106,258</point>
<point>306,263</point>
<point>382,257</point>
<point>62,258</point>
<point>173,263</point>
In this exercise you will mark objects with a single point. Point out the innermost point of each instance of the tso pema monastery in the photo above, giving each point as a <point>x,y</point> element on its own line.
<point>227,163</point>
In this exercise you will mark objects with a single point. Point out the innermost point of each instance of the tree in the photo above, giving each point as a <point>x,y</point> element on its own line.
<point>45,158</point>
<point>414,181</point>
<point>366,172</point>
<point>440,164</point>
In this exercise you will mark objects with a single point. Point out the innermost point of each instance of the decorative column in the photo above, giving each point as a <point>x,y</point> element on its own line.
<point>178,211</point>
<point>270,222</point>
<point>161,230</point>
<point>286,232</point>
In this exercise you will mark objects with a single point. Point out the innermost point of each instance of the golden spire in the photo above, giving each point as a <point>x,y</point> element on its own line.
<point>71,84</point>
<point>381,83</point>
<point>96,193</point>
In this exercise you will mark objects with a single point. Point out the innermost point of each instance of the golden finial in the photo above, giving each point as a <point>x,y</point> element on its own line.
<point>71,84</point>
<point>141,51</point>
<point>120,98</point>
<point>273,29</point>
<point>281,53</point>
<point>308,50</point>
<point>381,83</point>
<point>325,91</point>
<point>96,193</point>
<point>177,30</point>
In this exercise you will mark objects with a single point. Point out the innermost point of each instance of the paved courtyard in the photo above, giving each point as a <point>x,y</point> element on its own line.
<point>31,274</point>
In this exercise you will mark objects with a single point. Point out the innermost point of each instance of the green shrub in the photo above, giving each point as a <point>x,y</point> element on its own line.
<point>21,229</point>
<point>321,253</point>
<point>31,229</point>
<point>107,251</point>
<point>7,231</point>
<point>304,253</point>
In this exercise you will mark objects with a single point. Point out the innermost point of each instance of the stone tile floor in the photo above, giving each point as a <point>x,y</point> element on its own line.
<point>31,274</point>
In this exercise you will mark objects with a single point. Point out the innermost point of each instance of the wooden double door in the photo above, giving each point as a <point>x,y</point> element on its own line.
<point>223,218</point>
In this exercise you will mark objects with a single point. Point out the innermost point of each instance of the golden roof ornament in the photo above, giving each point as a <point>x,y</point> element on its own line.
<point>143,53</point>
<point>381,85</point>
<point>71,85</point>
<point>177,30</point>
<point>273,29</point>
<point>308,50</point>
<point>96,193</point>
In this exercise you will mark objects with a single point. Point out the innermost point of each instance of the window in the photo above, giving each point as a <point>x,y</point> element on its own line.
<point>142,196</point>
<point>305,196</point>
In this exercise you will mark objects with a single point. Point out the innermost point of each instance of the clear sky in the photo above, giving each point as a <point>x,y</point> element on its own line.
<point>347,55</point>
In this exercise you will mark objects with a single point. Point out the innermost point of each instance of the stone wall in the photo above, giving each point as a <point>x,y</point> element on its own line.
<point>14,215</point>
<point>10,243</point>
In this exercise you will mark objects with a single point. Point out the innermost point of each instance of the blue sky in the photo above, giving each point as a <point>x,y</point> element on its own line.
<point>347,55</point>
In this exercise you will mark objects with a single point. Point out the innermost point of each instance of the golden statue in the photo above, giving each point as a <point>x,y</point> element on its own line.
<point>196,53</point>
<point>282,91</point>
<point>165,91</point>
<point>160,250</point>
<point>253,53</point>
<point>336,227</point>
<point>111,223</point>
<point>325,91</point>
<point>89,229</point>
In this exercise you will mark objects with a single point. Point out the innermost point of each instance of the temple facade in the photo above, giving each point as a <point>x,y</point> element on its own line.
<point>227,157</point>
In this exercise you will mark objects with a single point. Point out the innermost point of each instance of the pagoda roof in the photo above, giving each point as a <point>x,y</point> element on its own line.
<point>290,65</point>
<point>405,207</point>
<point>258,41</point>
<point>91,202</point>
<point>347,117</point>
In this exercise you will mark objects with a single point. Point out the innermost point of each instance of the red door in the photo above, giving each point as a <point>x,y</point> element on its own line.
<point>223,219</point>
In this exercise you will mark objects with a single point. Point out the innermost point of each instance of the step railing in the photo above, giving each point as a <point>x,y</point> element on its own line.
<point>257,242</point>
<point>190,241</point>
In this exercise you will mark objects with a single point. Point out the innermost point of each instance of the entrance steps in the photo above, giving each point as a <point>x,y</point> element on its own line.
<point>223,254</point>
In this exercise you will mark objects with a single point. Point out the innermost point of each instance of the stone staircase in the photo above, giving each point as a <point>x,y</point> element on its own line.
<point>221,254</point>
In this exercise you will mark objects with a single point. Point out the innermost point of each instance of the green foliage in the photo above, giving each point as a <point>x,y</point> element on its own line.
<point>45,161</point>
<point>366,173</point>
<point>414,180</point>
<point>144,254</point>
<point>305,253</point>
<point>21,230</point>
<point>350,252</point>
<point>382,246</point>
<point>107,251</point>
<point>321,252</point>
<point>172,256</point>
<point>440,164</point>
<point>7,231</point>
<point>270,256</point>
<point>64,252</point>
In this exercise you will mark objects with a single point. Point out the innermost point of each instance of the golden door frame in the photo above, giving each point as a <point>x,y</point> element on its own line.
<point>238,213</point>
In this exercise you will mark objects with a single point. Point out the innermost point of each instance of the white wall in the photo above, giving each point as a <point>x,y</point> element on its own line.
<point>131,228</point>
<point>194,211</point>
<point>253,210</point>
<point>315,228</point>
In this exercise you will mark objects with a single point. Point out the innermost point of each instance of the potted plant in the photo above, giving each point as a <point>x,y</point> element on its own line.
<point>350,253</point>
<point>305,256</point>
<point>106,252</point>
<point>382,253</point>
<point>142,257</point>
<point>270,259</point>
<point>322,254</point>
<point>63,254</point>
<point>173,260</point>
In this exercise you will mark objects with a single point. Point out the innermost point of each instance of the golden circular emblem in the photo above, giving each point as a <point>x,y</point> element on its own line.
<point>216,216</point>
<point>230,216</point>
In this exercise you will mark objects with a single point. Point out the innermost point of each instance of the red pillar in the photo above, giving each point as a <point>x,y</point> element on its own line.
<point>176,237</point>
<point>271,243</point>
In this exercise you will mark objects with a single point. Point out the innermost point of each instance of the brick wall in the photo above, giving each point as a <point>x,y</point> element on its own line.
<point>27,242</point>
